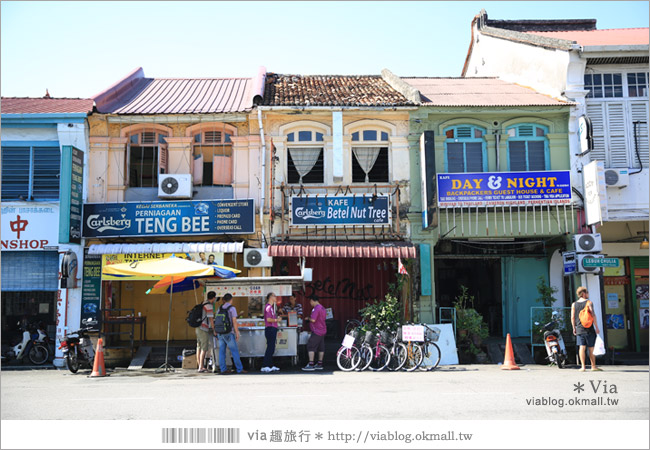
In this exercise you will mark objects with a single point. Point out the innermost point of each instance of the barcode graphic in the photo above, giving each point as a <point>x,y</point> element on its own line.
<point>200,435</point>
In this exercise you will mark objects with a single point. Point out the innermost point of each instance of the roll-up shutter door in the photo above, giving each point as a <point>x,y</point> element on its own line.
<point>30,271</point>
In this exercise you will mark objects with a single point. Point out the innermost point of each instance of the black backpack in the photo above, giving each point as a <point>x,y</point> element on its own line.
<point>195,316</point>
<point>222,322</point>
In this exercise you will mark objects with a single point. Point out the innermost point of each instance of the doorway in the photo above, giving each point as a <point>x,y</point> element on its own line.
<point>482,277</point>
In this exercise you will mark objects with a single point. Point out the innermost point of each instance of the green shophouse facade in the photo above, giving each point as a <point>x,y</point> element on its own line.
<point>490,128</point>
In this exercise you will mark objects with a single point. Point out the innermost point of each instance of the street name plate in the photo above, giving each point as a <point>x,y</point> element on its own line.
<point>600,262</point>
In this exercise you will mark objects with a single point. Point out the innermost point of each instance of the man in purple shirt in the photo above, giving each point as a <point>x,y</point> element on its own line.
<point>316,341</point>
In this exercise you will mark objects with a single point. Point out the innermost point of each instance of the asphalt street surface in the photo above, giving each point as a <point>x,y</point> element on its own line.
<point>452,392</point>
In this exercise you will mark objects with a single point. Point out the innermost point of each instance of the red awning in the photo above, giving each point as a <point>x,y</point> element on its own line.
<point>344,249</point>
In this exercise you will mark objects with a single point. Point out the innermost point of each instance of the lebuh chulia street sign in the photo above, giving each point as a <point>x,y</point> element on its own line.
<point>600,262</point>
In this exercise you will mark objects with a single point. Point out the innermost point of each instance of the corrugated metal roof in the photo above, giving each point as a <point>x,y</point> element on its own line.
<point>617,36</point>
<point>184,96</point>
<point>343,249</point>
<point>478,92</point>
<point>26,105</point>
<point>330,90</point>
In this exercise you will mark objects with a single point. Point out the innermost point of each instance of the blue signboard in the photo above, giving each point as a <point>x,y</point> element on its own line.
<point>169,218</point>
<point>457,190</point>
<point>348,210</point>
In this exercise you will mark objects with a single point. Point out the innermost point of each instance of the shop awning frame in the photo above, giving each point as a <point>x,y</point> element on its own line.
<point>161,247</point>
<point>392,249</point>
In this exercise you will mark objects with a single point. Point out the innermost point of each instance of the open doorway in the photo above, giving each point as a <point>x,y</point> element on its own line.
<point>482,277</point>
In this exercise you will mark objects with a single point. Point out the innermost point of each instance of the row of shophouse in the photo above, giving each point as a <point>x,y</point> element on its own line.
<point>482,180</point>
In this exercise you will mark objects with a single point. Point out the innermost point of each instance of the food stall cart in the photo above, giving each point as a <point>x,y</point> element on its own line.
<point>249,296</point>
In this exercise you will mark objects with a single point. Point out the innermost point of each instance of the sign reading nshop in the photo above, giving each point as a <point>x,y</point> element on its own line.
<point>169,218</point>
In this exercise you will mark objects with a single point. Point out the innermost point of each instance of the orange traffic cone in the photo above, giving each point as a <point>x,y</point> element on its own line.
<point>509,360</point>
<point>99,369</point>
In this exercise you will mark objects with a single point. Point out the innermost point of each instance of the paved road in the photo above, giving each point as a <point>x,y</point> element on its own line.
<point>463,392</point>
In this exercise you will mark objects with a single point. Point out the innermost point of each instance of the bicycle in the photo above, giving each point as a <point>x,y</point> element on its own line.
<point>373,353</point>
<point>353,324</point>
<point>347,357</point>
<point>398,352</point>
<point>432,354</point>
<point>414,355</point>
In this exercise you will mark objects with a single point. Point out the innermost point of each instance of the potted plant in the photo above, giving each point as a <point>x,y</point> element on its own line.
<point>383,315</point>
<point>471,328</point>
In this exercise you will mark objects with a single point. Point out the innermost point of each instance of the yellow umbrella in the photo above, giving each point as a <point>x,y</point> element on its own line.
<point>172,267</point>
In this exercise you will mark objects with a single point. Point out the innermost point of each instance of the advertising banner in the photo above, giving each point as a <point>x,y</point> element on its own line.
<point>340,210</point>
<point>458,190</point>
<point>72,164</point>
<point>91,289</point>
<point>203,258</point>
<point>33,226</point>
<point>168,218</point>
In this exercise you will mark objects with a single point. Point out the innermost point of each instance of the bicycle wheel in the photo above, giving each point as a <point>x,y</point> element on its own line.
<point>365,357</point>
<point>398,356</point>
<point>414,356</point>
<point>347,359</point>
<point>381,358</point>
<point>431,358</point>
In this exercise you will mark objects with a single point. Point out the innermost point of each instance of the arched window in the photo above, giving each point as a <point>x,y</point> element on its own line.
<point>527,147</point>
<point>465,149</point>
<point>147,157</point>
<point>305,159</point>
<point>212,152</point>
<point>369,156</point>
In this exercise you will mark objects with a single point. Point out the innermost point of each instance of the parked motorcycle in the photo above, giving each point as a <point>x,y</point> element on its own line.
<point>554,343</point>
<point>77,350</point>
<point>36,351</point>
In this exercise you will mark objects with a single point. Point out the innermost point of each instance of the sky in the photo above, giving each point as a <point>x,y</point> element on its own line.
<point>78,49</point>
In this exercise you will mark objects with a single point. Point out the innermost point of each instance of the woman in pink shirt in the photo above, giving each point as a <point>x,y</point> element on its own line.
<point>271,321</point>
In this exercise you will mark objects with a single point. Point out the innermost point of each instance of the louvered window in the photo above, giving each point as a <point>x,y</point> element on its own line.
<point>615,141</point>
<point>213,162</point>
<point>31,173</point>
<point>147,158</point>
<point>527,148</point>
<point>465,149</point>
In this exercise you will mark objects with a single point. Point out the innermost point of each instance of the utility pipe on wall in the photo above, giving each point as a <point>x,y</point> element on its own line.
<point>261,125</point>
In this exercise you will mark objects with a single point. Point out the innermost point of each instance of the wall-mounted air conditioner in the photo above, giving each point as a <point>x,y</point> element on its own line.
<point>619,178</point>
<point>175,186</point>
<point>257,257</point>
<point>580,264</point>
<point>588,243</point>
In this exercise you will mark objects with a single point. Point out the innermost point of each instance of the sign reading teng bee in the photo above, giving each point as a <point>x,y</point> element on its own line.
<point>169,218</point>
<point>457,190</point>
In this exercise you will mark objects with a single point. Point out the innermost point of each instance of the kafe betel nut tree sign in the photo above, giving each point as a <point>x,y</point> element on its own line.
<point>340,210</point>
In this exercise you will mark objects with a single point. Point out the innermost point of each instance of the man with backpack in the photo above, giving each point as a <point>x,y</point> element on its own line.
<point>227,330</point>
<point>205,330</point>
<point>585,327</point>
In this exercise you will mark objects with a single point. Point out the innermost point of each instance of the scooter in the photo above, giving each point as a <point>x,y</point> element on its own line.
<point>36,351</point>
<point>77,350</point>
<point>555,349</point>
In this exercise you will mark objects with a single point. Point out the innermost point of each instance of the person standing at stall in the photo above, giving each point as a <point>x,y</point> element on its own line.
<point>292,306</point>
<point>228,332</point>
<point>204,331</point>
<point>316,342</point>
<point>271,321</point>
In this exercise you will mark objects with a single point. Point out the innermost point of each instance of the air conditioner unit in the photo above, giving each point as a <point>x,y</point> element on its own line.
<point>588,243</point>
<point>582,269</point>
<point>175,186</point>
<point>257,257</point>
<point>619,178</point>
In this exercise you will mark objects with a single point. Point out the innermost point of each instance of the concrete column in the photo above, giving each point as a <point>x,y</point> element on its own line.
<point>180,155</point>
<point>116,170</point>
